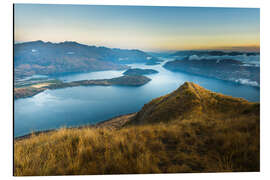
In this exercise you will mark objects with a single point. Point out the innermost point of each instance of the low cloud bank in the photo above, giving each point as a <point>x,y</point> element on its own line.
<point>249,60</point>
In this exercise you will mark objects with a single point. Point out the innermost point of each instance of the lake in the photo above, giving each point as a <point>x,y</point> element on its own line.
<point>78,106</point>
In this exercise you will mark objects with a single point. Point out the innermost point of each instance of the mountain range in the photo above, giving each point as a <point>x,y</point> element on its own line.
<point>212,53</point>
<point>46,58</point>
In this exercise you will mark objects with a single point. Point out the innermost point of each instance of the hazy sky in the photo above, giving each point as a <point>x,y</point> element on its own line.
<point>146,28</point>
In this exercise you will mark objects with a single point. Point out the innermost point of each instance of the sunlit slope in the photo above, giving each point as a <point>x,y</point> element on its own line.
<point>189,130</point>
<point>191,100</point>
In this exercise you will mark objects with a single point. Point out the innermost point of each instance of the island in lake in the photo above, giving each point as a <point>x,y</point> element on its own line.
<point>138,71</point>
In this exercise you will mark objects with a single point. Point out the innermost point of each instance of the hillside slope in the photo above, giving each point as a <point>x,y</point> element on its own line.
<point>189,130</point>
<point>191,100</point>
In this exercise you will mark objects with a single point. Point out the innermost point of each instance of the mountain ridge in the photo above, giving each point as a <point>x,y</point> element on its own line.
<point>213,53</point>
<point>191,99</point>
<point>45,58</point>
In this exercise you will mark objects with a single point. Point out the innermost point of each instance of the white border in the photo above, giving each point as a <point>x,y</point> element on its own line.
<point>208,3</point>
<point>6,84</point>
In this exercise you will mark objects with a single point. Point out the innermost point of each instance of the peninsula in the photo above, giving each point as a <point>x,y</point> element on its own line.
<point>126,80</point>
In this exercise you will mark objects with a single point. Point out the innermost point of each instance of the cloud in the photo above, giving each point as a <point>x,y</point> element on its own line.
<point>248,60</point>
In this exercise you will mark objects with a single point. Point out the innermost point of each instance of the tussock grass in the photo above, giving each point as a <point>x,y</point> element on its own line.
<point>192,100</point>
<point>193,145</point>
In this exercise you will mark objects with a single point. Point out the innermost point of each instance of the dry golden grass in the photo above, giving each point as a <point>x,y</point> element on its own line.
<point>189,130</point>
<point>190,99</point>
<point>193,145</point>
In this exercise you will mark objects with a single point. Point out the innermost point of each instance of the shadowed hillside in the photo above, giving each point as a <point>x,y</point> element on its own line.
<point>189,130</point>
<point>224,69</point>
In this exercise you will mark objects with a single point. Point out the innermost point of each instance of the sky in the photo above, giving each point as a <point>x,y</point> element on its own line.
<point>149,28</point>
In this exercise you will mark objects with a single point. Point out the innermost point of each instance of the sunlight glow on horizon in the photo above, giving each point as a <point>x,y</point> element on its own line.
<point>139,27</point>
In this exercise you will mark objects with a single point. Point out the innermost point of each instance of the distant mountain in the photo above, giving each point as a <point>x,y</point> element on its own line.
<point>224,69</point>
<point>191,100</point>
<point>212,53</point>
<point>161,54</point>
<point>47,58</point>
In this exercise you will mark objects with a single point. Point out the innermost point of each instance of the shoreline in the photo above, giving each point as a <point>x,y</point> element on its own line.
<point>112,123</point>
<point>125,80</point>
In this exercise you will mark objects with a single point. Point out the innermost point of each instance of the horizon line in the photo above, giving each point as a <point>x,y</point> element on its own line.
<point>245,48</point>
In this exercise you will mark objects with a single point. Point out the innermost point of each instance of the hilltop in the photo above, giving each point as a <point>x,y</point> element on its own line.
<point>191,100</point>
<point>189,130</point>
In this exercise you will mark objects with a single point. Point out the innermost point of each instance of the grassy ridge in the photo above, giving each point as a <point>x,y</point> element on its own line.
<point>191,99</point>
<point>214,133</point>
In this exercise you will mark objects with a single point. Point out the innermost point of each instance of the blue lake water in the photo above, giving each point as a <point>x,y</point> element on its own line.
<point>88,105</point>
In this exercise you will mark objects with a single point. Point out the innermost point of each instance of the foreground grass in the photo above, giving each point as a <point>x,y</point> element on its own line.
<point>189,130</point>
<point>197,144</point>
